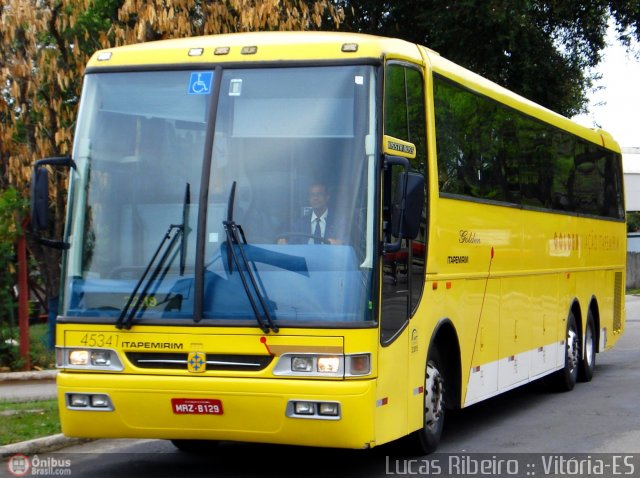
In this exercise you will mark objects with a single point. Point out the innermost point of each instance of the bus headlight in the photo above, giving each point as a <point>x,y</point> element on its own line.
<point>101,358</point>
<point>313,409</point>
<point>79,400</point>
<point>79,357</point>
<point>88,359</point>
<point>302,364</point>
<point>329,364</point>
<point>99,402</point>
<point>331,409</point>
<point>315,365</point>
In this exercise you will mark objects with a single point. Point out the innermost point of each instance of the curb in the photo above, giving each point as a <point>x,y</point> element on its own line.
<point>37,445</point>
<point>40,445</point>
<point>24,376</point>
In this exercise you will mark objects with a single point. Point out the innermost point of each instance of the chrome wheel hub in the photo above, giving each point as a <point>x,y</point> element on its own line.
<point>589,347</point>
<point>572,349</point>
<point>433,397</point>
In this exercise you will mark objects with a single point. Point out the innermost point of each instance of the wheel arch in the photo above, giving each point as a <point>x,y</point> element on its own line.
<point>445,339</point>
<point>594,308</point>
<point>577,314</point>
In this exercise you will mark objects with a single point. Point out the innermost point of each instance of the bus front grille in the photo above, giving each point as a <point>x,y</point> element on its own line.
<point>178,361</point>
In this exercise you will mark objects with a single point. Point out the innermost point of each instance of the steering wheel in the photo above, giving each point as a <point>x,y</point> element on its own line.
<point>302,234</point>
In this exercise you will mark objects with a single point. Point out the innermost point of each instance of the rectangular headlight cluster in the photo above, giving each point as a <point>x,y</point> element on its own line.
<point>89,401</point>
<point>312,409</point>
<point>316,365</point>
<point>88,359</point>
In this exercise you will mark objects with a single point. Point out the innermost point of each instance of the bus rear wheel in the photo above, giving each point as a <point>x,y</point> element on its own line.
<point>426,439</point>
<point>588,358</point>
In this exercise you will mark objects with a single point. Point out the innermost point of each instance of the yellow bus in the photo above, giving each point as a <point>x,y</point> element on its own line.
<point>323,239</point>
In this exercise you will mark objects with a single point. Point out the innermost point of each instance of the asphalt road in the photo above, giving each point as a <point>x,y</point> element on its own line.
<point>598,417</point>
<point>28,390</point>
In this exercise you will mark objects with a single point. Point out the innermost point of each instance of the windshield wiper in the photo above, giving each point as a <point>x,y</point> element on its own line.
<point>237,239</point>
<point>127,314</point>
<point>185,227</point>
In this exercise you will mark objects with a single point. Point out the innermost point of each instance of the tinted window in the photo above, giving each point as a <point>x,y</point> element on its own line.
<point>489,151</point>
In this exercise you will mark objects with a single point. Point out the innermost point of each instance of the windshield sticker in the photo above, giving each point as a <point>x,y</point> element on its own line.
<point>235,87</point>
<point>200,83</point>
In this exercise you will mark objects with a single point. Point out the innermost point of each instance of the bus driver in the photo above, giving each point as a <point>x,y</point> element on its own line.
<point>321,226</point>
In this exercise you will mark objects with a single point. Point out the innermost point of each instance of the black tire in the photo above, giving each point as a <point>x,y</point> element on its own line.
<point>426,439</point>
<point>195,446</point>
<point>587,362</point>
<point>566,378</point>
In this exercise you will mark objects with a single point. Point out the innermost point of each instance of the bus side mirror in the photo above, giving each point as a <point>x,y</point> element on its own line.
<point>406,206</point>
<point>407,225</point>
<point>40,198</point>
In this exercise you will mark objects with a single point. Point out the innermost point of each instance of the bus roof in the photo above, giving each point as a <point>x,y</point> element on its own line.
<point>255,47</point>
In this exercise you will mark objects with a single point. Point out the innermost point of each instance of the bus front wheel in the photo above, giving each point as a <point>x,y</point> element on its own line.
<point>426,439</point>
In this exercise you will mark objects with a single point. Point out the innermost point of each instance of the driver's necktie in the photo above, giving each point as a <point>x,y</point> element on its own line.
<point>317,232</point>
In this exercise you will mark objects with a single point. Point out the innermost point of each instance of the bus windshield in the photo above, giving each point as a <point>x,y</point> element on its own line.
<point>158,154</point>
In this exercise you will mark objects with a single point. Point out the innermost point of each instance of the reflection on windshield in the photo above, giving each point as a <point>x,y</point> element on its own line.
<point>140,141</point>
<point>298,143</point>
<point>295,141</point>
<point>154,277</point>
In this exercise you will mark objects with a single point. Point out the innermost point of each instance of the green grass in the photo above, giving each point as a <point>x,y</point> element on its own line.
<point>633,291</point>
<point>27,420</point>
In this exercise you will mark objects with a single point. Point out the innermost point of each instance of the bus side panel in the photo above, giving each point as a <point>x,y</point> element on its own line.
<point>483,373</point>
<point>421,327</point>
<point>545,325</point>
<point>475,245</point>
<point>392,390</point>
<point>516,316</point>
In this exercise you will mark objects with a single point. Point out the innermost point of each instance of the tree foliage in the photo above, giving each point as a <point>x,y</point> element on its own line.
<point>11,206</point>
<point>542,49</point>
<point>45,44</point>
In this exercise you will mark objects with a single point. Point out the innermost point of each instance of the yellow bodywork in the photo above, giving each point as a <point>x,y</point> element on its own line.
<point>506,279</point>
<point>253,403</point>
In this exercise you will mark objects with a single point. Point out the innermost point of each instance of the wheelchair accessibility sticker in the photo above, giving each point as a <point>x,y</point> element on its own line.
<point>200,83</point>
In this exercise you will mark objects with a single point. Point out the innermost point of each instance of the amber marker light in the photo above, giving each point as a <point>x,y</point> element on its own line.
<point>249,50</point>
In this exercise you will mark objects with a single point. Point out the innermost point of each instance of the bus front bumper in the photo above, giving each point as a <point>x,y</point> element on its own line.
<point>212,408</point>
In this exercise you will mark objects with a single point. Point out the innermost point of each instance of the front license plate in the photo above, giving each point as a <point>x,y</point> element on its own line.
<point>196,406</point>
